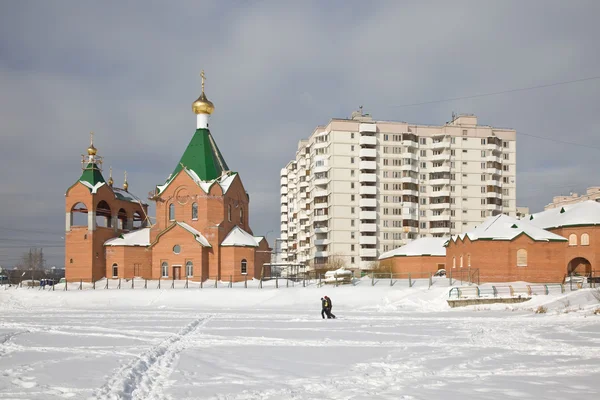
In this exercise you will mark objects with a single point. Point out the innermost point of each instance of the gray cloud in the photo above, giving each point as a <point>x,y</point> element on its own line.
<point>276,70</point>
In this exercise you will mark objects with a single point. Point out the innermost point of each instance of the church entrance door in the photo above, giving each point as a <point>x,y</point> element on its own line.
<point>176,271</point>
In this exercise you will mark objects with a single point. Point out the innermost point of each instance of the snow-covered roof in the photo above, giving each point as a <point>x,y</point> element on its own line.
<point>124,195</point>
<point>427,246</point>
<point>199,237</point>
<point>239,237</point>
<point>339,272</point>
<point>224,181</point>
<point>503,227</point>
<point>140,237</point>
<point>93,188</point>
<point>583,213</point>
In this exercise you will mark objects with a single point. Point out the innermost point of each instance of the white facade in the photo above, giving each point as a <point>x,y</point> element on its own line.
<point>358,188</point>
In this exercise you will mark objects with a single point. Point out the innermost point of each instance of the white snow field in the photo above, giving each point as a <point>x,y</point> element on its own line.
<point>388,342</point>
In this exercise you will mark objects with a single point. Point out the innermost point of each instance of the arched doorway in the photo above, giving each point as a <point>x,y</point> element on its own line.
<point>579,266</point>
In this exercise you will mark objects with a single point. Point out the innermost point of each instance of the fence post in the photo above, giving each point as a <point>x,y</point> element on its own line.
<point>304,281</point>
<point>146,283</point>
<point>80,284</point>
<point>133,283</point>
<point>106,286</point>
<point>66,284</point>
<point>119,284</point>
<point>159,279</point>
<point>372,278</point>
<point>173,282</point>
<point>187,279</point>
<point>409,280</point>
<point>216,280</point>
<point>54,284</point>
<point>450,279</point>
<point>287,282</point>
<point>93,285</point>
<point>230,281</point>
<point>319,280</point>
<point>430,279</point>
<point>276,282</point>
<point>260,284</point>
<point>391,277</point>
<point>246,281</point>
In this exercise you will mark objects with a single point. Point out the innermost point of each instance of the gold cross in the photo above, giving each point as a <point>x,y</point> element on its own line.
<point>92,137</point>
<point>203,77</point>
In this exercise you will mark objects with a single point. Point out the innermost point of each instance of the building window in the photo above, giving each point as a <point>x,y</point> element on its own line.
<point>464,134</point>
<point>454,262</point>
<point>351,160</point>
<point>352,197</point>
<point>423,141</point>
<point>351,210</point>
<point>176,249</point>
<point>351,172</point>
<point>172,212</point>
<point>351,135</point>
<point>521,258</point>
<point>351,185</point>
<point>351,222</point>
<point>572,239</point>
<point>115,270</point>
<point>351,260</point>
<point>423,153</point>
<point>505,168</point>
<point>189,269</point>
<point>351,235</point>
<point>468,260</point>
<point>352,148</point>
<point>195,211</point>
<point>585,239</point>
<point>229,212</point>
<point>244,267</point>
<point>351,247</point>
<point>164,269</point>
<point>505,156</point>
<point>461,260</point>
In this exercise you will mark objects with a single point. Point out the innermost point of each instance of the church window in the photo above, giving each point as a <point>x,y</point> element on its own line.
<point>115,271</point>
<point>521,258</point>
<point>177,249</point>
<point>172,212</point>
<point>195,211</point>
<point>468,260</point>
<point>585,239</point>
<point>454,262</point>
<point>244,267</point>
<point>229,213</point>
<point>572,239</point>
<point>164,269</point>
<point>189,269</point>
<point>461,261</point>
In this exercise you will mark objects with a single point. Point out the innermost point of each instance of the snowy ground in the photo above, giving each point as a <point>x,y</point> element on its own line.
<point>235,343</point>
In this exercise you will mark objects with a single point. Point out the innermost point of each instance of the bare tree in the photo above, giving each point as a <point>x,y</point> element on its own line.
<point>33,260</point>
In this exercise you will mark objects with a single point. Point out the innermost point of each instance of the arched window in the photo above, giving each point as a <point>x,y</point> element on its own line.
<point>241,215</point>
<point>572,239</point>
<point>79,215</point>
<point>115,270</point>
<point>244,268</point>
<point>454,262</point>
<point>103,215</point>
<point>172,212</point>
<point>122,219</point>
<point>229,213</point>
<point>195,211</point>
<point>189,269</point>
<point>521,258</point>
<point>461,260</point>
<point>164,269</point>
<point>585,239</point>
<point>468,260</point>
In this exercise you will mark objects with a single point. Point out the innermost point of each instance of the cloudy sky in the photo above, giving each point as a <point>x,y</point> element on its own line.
<point>275,70</point>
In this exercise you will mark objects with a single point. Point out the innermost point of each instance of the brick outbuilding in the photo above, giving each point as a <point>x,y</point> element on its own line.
<point>201,230</point>
<point>420,257</point>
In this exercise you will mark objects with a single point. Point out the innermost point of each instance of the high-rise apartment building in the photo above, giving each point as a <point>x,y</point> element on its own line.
<point>592,193</point>
<point>359,187</point>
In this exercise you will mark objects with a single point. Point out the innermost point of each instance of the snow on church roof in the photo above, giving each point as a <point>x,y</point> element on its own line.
<point>427,246</point>
<point>583,213</point>
<point>93,188</point>
<point>224,181</point>
<point>140,237</point>
<point>199,236</point>
<point>503,227</point>
<point>239,237</point>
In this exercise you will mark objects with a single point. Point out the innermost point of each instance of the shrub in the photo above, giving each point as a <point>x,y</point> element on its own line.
<point>541,310</point>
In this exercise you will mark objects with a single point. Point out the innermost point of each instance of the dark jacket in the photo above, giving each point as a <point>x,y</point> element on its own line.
<point>325,303</point>
<point>329,301</point>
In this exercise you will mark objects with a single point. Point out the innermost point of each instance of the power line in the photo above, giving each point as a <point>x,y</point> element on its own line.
<point>500,92</point>
<point>559,141</point>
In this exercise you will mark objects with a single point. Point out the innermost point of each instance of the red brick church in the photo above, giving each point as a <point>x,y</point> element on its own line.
<point>201,230</point>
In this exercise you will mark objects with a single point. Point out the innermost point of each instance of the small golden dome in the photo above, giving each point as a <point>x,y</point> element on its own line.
<point>203,105</point>
<point>126,186</point>
<point>110,181</point>
<point>92,150</point>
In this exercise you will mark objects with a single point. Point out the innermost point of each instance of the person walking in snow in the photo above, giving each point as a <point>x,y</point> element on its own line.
<point>330,306</point>
<point>325,308</point>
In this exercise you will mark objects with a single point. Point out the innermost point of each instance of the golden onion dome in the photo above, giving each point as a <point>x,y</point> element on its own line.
<point>110,181</point>
<point>203,105</point>
<point>92,150</point>
<point>125,185</point>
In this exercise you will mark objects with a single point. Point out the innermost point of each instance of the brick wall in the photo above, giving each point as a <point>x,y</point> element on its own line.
<point>418,266</point>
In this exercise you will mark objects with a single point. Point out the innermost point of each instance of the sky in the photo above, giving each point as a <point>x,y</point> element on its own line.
<point>275,70</point>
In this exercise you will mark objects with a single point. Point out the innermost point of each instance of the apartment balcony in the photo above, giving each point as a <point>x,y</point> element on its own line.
<point>408,179</point>
<point>409,192</point>
<point>443,144</point>
<point>284,217</point>
<point>363,202</point>
<point>443,168</point>
<point>367,252</point>
<point>324,217</point>
<point>493,171</point>
<point>284,226</point>
<point>410,144</point>
<point>292,175</point>
<point>367,190</point>
<point>303,184</point>
<point>320,145</point>
<point>367,240</point>
<point>440,193</point>
<point>321,181</point>
<point>440,206</point>
<point>321,168</point>
<point>493,207</point>
<point>367,178</point>
<point>283,200</point>
<point>323,229</point>
<point>317,206</point>
<point>291,185</point>
<point>493,195</point>
<point>284,190</point>
<point>283,172</point>
<point>283,236</point>
<point>494,145</point>
<point>409,167</point>
<point>303,195</point>
<point>365,127</point>
<point>493,182</point>
<point>367,140</point>
<point>321,242</point>
<point>409,155</point>
<point>445,229</point>
<point>367,215</point>
<point>493,158</point>
<point>368,227</point>
<point>367,153</point>
<point>410,229</point>
<point>369,165</point>
<point>445,156</point>
<point>284,208</point>
<point>283,181</point>
<point>408,214</point>
<point>319,193</point>
<point>284,245</point>
<point>321,254</point>
<point>436,182</point>
<point>442,217</point>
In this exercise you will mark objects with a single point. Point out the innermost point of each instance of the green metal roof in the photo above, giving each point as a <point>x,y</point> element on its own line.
<point>92,175</point>
<point>203,157</point>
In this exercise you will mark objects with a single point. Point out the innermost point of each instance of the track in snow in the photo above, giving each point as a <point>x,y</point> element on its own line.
<point>144,378</point>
